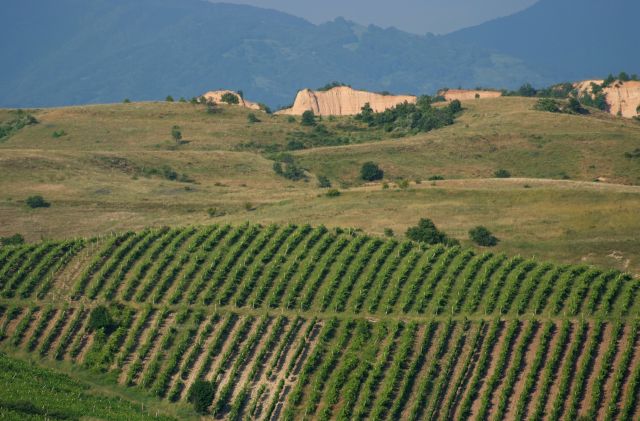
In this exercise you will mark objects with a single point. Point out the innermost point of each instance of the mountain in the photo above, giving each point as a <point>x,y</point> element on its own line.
<point>79,51</point>
<point>565,39</point>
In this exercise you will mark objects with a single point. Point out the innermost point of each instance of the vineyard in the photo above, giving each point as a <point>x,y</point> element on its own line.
<point>300,322</point>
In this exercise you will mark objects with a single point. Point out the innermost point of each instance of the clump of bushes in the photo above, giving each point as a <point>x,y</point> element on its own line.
<point>573,106</point>
<point>483,237</point>
<point>502,173</point>
<point>101,319</point>
<point>22,119</point>
<point>331,85</point>
<point>427,232</point>
<point>635,154</point>
<point>308,118</point>
<point>370,171</point>
<point>286,167</point>
<point>333,193</point>
<point>252,118</point>
<point>58,134</point>
<point>231,99</point>
<point>168,173</point>
<point>324,182</point>
<point>37,201</point>
<point>411,118</point>
<point>14,240</point>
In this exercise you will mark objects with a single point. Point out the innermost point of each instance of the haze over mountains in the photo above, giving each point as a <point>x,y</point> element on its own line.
<point>74,51</point>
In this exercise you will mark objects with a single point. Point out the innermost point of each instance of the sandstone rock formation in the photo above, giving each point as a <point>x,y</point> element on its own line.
<point>465,95</point>
<point>342,101</point>
<point>216,96</point>
<point>623,98</point>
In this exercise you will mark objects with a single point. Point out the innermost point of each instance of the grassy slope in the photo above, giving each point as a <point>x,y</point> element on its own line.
<point>565,221</point>
<point>33,393</point>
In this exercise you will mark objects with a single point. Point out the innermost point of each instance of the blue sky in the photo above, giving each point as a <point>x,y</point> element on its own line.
<point>417,16</point>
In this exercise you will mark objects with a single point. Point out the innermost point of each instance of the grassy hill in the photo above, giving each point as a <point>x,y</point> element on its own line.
<point>111,169</point>
<point>293,322</point>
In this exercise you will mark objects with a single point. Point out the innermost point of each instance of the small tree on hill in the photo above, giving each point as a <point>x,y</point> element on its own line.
<point>176,134</point>
<point>482,237</point>
<point>370,171</point>
<point>231,99</point>
<point>308,118</point>
<point>251,118</point>
<point>427,232</point>
<point>37,201</point>
<point>201,395</point>
<point>100,318</point>
<point>169,98</point>
<point>502,173</point>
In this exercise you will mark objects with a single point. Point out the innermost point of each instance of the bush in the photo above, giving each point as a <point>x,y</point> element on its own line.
<point>251,118</point>
<point>201,395</point>
<point>330,86</point>
<point>231,99</point>
<point>333,193</point>
<point>126,101</point>
<point>324,182</point>
<point>308,118</point>
<point>370,171</point>
<point>14,240</point>
<point>436,178</point>
<point>502,173</point>
<point>37,201</point>
<point>58,133</point>
<point>482,237</point>
<point>169,98</point>
<point>548,105</point>
<point>291,119</point>
<point>403,184</point>
<point>427,232</point>
<point>100,318</point>
<point>388,232</point>
<point>176,134</point>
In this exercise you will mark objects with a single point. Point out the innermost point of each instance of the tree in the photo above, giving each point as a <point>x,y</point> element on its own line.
<point>388,232</point>
<point>324,182</point>
<point>547,104</point>
<point>333,193</point>
<point>308,118</point>
<point>14,240</point>
<point>251,118</point>
<point>100,318</point>
<point>370,171</point>
<point>502,173</point>
<point>527,90</point>
<point>37,201</point>
<point>231,99</point>
<point>427,232</point>
<point>482,237</point>
<point>169,98</point>
<point>176,134</point>
<point>201,395</point>
<point>624,77</point>
<point>455,106</point>
<point>366,114</point>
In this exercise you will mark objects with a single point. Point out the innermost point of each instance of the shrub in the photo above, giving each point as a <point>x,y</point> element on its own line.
<point>370,171</point>
<point>100,318</point>
<point>14,240</point>
<point>324,182</point>
<point>388,232</point>
<point>277,168</point>
<point>37,201</point>
<point>527,90</point>
<point>291,119</point>
<point>455,106</point>
<point>201,395</point>
<point>436,178</point>
<point>403,184</point>
<point>482,237</point>
<point>332,85</point>
<point>333,193</point>
<point>548,105</point>
<point>169,98</point>
<point>502,173</point>
<point>427,232</point>
<point>231,99</point>
<point>633,154</point>
<point>126,101</point>
<point>58,133</point>
<point>289,171</point>
<point>176,134</point>
<point>308,118</point>
<point>251,118</point>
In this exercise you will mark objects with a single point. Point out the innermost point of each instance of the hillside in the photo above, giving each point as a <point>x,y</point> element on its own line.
<point>187,47</point>
<point>292,320</point>
<point>116,167</point>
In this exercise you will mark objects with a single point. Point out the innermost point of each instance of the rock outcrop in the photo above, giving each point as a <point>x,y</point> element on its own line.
<point>343,101</point>
<point>623,98</point>
<point>216,96</point>
<point>466,95</point>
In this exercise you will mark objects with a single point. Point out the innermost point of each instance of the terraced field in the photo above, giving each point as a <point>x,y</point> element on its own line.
<point>299,322</point>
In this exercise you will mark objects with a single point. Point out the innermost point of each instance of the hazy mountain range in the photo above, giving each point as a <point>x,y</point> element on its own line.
<point>86,51</point>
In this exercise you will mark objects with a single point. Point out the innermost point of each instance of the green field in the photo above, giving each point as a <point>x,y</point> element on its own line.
<point>295,322</point>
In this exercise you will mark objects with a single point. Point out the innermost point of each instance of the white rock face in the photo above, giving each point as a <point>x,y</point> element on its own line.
<point>623,98</point>
<point>342,101</point>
